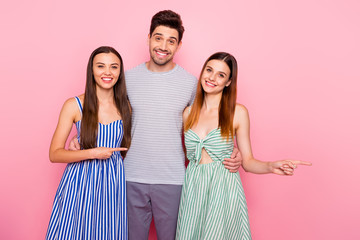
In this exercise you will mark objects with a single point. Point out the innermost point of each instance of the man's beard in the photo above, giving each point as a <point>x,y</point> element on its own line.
<point>159,62</point>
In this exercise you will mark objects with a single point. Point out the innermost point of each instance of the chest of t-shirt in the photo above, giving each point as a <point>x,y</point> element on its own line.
<point>160,95</point>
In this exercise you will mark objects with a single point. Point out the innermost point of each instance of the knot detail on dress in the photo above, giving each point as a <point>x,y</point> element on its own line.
<point>199,147</point>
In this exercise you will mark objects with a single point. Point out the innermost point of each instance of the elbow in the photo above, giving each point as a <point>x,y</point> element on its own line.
<point>245,168</point>
<point>245,164</point>
<point>52,157</point>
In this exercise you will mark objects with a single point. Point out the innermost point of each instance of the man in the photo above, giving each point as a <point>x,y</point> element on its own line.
<point>158,91</point>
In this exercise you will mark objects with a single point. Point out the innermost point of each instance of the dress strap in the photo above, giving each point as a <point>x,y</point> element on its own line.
<point>79,104</point>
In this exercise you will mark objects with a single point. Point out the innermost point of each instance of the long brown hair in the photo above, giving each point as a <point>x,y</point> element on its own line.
<point>89,121</point>
<point>228,100</point>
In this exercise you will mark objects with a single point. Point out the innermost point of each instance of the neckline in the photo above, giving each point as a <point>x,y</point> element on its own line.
<point>206,134</point>
<point>107,123</point>
<point>161,73</point>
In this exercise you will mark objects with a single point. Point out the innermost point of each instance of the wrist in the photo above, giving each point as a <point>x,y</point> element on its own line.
<point>270,167</point>
<point>91,153</point>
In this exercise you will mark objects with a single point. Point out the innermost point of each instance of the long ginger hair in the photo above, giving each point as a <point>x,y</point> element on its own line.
<point>228,100</point>
<point>89,121</point>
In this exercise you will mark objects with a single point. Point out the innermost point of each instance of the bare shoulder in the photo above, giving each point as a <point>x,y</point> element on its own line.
<point>186,113</point>
<point>241,110</point>
<point>241,114</point>
<point>72,103</point>
<point>71,109</point>
<point>69,105</point>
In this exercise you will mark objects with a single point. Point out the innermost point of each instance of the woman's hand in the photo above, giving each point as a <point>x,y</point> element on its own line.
<point>286,167</point>
<point>104,152</point>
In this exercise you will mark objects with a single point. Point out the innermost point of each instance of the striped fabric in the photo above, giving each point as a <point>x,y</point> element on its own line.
<point>213,204</point>
<point>158,100</point>
<point>90,202</point>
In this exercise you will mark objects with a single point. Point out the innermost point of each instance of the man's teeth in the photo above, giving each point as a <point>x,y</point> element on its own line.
<point>162,54</point>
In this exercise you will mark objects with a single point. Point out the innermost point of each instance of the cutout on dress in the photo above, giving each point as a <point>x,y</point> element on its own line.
<point>205,157</point>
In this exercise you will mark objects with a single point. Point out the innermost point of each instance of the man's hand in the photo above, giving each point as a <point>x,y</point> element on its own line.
<point>234,162</point>
<point>74,144</point>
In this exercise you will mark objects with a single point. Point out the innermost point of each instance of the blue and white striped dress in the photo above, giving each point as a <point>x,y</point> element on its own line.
<point>90,202</point>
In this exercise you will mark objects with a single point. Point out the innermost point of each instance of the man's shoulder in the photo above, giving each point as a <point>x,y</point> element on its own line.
<point>136,69</point>
<point>185,72</point>
<point>189,80</point>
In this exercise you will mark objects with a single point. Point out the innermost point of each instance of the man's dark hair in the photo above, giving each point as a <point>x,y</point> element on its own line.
<point>169,19</point>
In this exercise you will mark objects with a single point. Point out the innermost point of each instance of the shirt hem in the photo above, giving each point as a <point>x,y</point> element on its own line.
<point>143,181</point>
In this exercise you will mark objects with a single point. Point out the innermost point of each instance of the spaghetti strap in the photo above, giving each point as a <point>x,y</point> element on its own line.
<point>79,104</point>
<point>90,202</point>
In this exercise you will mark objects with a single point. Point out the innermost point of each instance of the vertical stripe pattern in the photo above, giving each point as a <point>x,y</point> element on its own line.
<point>90,202</point>
<point>213,204</point>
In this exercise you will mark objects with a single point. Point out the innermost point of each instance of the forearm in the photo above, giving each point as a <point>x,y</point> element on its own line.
<point>67,156</point>
<point>256,166</point>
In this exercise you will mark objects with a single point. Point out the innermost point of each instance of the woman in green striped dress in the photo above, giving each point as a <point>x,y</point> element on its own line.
<point>213,204</point>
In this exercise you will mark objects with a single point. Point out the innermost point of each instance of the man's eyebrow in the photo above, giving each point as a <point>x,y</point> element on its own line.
<point>160,34</point>
<point>174,38</point>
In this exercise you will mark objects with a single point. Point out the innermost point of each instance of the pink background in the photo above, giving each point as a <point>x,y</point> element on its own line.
<point>299,77</point>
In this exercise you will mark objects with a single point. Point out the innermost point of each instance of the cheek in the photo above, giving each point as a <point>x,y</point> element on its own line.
<point>174,49</point>
<point>204,75</point>
<point>152,44</point>
<point>117,73</point>
<point>203,84</point>
<point>97,72</point>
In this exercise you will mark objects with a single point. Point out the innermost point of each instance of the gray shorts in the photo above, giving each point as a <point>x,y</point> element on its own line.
<point>145,201</point>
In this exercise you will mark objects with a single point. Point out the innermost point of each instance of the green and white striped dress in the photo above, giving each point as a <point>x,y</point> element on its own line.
<point>213,204</point>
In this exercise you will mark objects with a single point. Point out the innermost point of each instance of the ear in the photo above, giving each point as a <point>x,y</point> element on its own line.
<point>179,46</point>
<point>148,40</point>
<point>228,83</point>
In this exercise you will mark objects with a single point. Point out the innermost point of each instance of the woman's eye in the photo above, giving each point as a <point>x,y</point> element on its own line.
<point>208,70</point>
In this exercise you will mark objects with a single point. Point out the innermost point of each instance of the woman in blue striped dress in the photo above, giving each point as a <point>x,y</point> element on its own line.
<point>213,204</point>
<point>90,202</point>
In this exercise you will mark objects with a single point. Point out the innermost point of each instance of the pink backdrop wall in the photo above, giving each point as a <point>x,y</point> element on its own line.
<point>299,77</point>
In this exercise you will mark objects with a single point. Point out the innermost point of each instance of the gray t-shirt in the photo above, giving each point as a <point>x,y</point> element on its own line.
<point>156,155</point>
